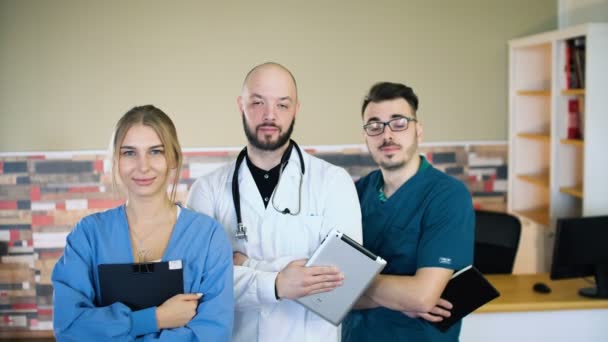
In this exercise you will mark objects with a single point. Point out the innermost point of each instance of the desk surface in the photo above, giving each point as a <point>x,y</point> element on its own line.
<point>516,294</point>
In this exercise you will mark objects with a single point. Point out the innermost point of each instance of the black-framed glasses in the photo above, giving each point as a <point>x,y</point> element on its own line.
<point>397,124</point>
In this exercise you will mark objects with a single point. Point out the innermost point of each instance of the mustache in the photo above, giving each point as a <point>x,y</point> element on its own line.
<point>266,125</point>
<point>388,143</point>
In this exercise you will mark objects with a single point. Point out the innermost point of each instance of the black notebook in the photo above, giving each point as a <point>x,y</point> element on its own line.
<point>467,290</point>
<point>140,286</point>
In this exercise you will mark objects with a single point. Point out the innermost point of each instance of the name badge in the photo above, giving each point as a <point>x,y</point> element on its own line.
<point>175,265</point>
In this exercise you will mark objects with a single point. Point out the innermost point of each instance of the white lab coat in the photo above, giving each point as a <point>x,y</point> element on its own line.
<point>328,200</point>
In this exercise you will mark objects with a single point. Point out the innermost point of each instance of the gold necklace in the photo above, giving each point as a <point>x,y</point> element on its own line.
<point>141,251</point>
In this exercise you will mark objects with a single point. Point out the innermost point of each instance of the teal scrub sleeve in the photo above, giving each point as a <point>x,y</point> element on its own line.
<point>448,228</point>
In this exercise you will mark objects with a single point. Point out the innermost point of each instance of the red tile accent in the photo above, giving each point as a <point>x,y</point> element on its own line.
<point>429,157</point>
<point>84,189</point>
<point>1,167</point>
<point>35,193</point>
<point>98,166</point>
<point>310,150</point>
<point>185,174</point>
<point>42,220</point>
<point>488,185</point>
<point>37,157</point>
<point>206,154</point>
<point>24,306</point>
<point>14,235</point>
<point>60,206</point>
<point>104,204</point>
<point>8,205</point>
<point>30,243</point>
<point>43,312</point>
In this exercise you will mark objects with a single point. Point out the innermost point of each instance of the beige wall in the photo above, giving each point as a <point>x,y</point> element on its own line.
<point>69,69</point>
<point>575,12</point>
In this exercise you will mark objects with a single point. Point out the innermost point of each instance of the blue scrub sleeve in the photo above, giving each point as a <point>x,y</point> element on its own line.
<point>143,321</point>
<point>76,318</point>
<point>215,314</point>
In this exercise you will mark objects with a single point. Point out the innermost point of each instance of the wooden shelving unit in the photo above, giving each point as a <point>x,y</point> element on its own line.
<point>551,176</point>
<point>573,92</point>
<point>576,191</point>
<point>530,121</point>
<point>538,215</point>
<point>537,179</point>
<point>573,142</point>
<point>534,92</point>
<point>535,136</point>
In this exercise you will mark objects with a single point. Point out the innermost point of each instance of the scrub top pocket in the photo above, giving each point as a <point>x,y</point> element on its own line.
<point>400,249</point>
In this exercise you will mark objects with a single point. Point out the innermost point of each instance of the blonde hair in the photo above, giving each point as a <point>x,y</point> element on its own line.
<point>160,122</point>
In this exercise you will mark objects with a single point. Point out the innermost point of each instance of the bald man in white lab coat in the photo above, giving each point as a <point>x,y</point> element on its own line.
<point>288,201</point>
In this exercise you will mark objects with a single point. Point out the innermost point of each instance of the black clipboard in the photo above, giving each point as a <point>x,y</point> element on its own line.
<point>467,291</point>
<point>140,286</point>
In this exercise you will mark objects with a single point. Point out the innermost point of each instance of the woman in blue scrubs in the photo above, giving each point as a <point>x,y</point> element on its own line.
<point>149,227</point>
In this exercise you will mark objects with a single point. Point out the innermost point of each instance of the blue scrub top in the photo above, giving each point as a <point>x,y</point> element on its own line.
<point>104,238</point>
<point>428,222</point>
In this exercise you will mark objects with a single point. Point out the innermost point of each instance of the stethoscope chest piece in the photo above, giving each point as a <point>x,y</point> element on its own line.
<point>241,232</point>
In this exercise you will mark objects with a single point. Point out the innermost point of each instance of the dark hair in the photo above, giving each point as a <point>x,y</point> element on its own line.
<point>383,91</point>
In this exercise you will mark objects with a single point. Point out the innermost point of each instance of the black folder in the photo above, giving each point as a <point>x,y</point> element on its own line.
<point>140,286</point>
<point>467,290</point>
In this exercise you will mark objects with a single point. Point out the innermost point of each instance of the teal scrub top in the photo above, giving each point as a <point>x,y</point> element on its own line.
<point>428,222</point>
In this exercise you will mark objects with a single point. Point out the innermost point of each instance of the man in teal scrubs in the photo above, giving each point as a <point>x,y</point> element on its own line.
<point>416,217</point>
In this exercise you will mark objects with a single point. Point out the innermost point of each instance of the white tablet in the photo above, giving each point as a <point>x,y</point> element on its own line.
<point>359,267</point>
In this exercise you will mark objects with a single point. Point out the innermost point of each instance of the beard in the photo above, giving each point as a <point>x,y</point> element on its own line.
<point>265,143</point>
<point>395,164</point>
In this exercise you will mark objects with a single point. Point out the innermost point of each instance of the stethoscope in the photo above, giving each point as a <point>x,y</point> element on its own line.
<point>241,229</point>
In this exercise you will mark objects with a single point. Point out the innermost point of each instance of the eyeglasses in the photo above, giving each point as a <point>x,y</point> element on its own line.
<point>397,124</point>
